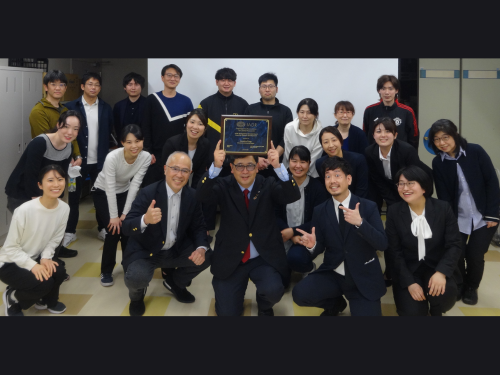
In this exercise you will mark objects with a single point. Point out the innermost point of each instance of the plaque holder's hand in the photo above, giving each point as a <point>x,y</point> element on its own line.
<point>219,156</point>
<point>273,156</point>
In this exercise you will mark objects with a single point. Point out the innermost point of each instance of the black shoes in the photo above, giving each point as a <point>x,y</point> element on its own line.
<point>268,312</point>
<point>66,253</point>
<point>335,310</point>
<point>11,308</point>
<point>181,294</point>
<point>470,296</point>
<point>137,308</point>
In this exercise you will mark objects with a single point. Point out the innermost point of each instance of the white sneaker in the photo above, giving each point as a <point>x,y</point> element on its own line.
<point>68,238</point>
<point>307,273</point>
<point>102,234</point>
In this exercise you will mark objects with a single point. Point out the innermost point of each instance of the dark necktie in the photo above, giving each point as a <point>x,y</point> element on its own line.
<point>247,253</point>
<point>341,220</point>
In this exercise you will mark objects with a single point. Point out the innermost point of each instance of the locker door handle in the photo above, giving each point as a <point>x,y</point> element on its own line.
<point>19,148</point>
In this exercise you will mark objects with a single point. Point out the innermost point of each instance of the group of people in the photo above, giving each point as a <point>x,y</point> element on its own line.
<point>321,189</point>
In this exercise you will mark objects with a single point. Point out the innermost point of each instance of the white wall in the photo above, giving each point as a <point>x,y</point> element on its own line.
<point>4,62</point>
<point>325,80</point>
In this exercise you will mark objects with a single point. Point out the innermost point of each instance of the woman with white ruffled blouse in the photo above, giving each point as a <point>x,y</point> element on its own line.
<point>425,242</point>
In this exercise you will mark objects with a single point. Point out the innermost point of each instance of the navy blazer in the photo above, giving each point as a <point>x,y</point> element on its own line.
<point>105,119</point>
<point>119,113</point>
<point>359,172</point>
<point>358,141</point>
<point>191,230</point>
<point>357,248</point>
<point>442,251</point>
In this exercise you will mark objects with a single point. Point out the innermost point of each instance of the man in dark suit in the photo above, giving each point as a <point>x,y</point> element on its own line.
<point>248,243</point>
<point>129,110</point>
<point>162,237</point>
<point>349,230</point>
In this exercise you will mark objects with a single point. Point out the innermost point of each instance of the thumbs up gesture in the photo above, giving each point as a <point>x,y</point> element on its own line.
<point>153,215</point>
<point>273,156</point>
<point>219,155</point>
<point>352,216</point>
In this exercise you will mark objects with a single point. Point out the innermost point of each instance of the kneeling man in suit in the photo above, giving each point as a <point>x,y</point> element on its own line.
<point>248,243</point>
<point>349,230</point>
<point>166,230</point>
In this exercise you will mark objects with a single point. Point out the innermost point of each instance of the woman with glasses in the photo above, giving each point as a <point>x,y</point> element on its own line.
<point>424,241</point>
<point>298,215</point>
<point>466,179</point>
<point>114,191</point>
<point>304,131</point>
<point>354,138</point>
<point>333,143</point>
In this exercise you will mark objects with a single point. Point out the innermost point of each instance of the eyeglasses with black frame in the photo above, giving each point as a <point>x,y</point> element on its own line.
<point>249,167</point>
<point>184,171</point>
<point>401,185</point>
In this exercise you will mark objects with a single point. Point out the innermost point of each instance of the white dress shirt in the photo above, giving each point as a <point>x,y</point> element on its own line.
<point>386,163</point>
<point>91,112</point>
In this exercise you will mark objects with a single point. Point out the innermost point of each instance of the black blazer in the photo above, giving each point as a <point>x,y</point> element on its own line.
<point>238,225</point>
<point>200,160</point>
<point>442,251</point>
<point>119,114</point>
<point>402,155</point>
<point>357,248</point>
<point>315,194</point>
<point>191,231</point>
<point>359,172</point>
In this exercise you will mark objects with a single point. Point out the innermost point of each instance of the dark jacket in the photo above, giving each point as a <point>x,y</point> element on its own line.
<point>282,115</point>
<point>357,248</point>
<point>200,160</point>
<point>402,155</point>
<point>119,114</point>
<point>315,194</point>
<point>359,169</point>
<point>442,251</point>
<point>215,106</point>
<point>105,120</point>
<point>238,225</point>
<point>403,116</point>
<point>191,230</point>
<point>480,176</point>
<point>357,140</point>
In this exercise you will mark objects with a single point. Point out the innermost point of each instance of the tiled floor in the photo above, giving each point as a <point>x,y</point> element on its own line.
<point>84,296</point>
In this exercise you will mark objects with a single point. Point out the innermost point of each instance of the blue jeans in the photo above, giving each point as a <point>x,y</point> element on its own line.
<point>300,259</point>
<point>230,292</point>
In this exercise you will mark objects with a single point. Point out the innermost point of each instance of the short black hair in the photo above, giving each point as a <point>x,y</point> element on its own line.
<point>449,128</point>
<point>173,66</point>
<point>302,152</point>
<point>334,131</point>
<point>90,75</point>
<point>134,129</point>
<point>225,73</point>
<point>232,158</point>
<point>54,75</point>
<point>133,76</point>
<point>268,77</point>
<point>382,80</point>
<point>52,167</point>
<point>417,174</point>
<point>345,105</point>
<point>64,116</point>
<point>388,123</point>
<point>311,103</point>
<point>334,162</point>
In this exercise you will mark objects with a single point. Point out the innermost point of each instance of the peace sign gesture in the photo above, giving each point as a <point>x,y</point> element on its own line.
<point>273,156</point>
<point>352,216</point>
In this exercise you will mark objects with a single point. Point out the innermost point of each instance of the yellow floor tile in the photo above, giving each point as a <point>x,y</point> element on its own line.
<point>89,269</point>
<point>74,303</point>
<point>247,308</point>
<point>492,256</point>
<point>478,311</point>
<point>157,274</point>
<point>306,311</point>
<point>155,306</point>
<point>92,210</point>
<point>86,224</point>
<point>389,309</point>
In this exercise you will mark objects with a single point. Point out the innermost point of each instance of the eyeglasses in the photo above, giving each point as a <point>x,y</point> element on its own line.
<point>444,138</point>
<point>249,167</point>
<point>96,85</point>
<point>132,84</point>
<point>401,185</point>
<point>344,112</point>
<point>54,85</point>
<point>170,75</point>
<point>226,80</point>
<point>265,87</point>
<point>184,171</point>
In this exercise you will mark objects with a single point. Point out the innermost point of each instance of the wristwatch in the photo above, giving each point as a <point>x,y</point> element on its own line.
<point>78,157</point>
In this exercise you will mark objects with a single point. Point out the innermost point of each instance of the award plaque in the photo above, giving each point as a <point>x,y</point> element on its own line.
<point>246,134</point>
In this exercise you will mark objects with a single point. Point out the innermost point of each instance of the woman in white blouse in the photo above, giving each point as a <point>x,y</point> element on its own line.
<point>115,189</point>
<point>304,130</point>
<point>425,242</point>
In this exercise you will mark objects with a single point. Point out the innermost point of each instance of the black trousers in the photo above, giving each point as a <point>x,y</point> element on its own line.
<point>28,290</point>
<point>155,172</point>
<point>324,288</point>
<point>474,246</point>
<point>74,198</point>
<point>108,261</point>
<point>436,305</point>
<point>13,203</point>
